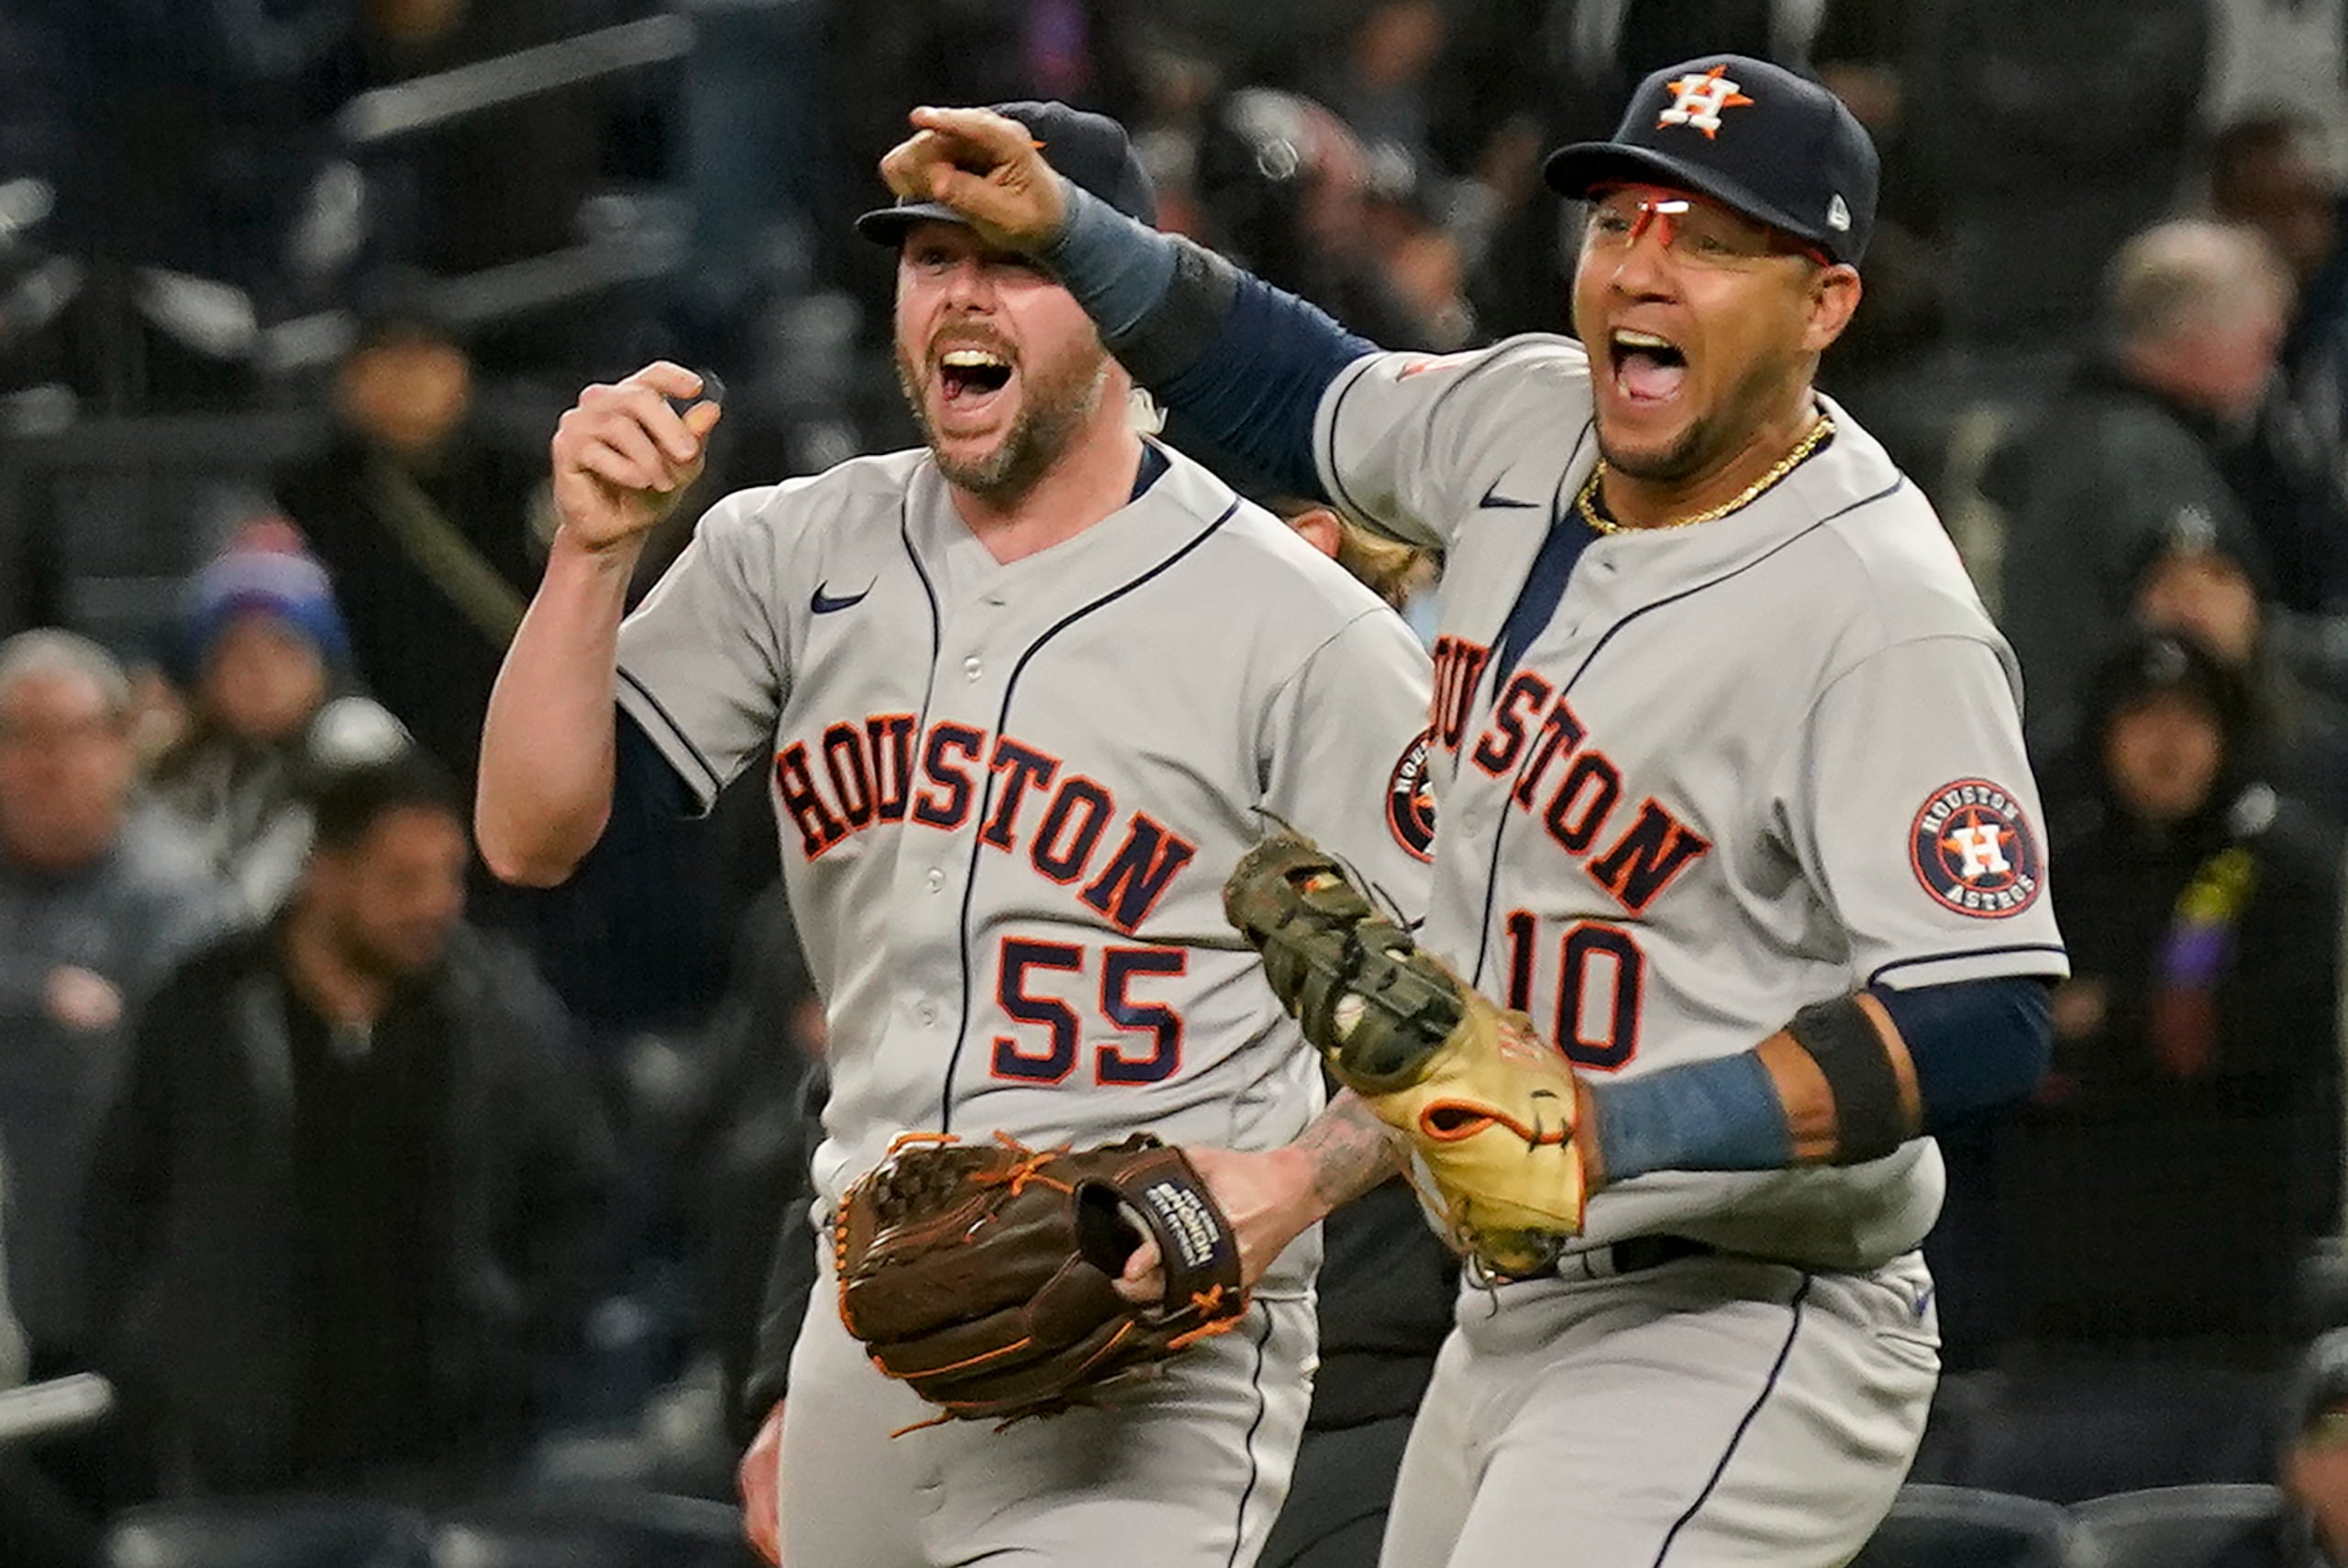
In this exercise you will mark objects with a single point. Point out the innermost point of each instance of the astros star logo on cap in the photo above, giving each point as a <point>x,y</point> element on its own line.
<point>1698,101</point>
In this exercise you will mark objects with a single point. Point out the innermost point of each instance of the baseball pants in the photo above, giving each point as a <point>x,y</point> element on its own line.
<point>1706,1412</point>
<point>1188,1472</point>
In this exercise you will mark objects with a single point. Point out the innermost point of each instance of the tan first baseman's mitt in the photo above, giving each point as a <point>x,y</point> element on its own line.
<point>1487,1105</point>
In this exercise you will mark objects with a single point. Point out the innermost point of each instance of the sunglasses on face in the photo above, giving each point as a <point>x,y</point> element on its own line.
<point>1687,228</point>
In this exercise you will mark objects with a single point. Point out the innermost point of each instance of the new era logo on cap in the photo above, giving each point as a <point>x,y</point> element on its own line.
<point>1838,213</point>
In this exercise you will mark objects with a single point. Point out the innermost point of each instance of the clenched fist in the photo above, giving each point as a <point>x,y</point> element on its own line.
<point>624,454</point>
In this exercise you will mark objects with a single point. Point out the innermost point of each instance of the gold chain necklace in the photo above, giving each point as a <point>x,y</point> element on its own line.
<point>1785,465</point>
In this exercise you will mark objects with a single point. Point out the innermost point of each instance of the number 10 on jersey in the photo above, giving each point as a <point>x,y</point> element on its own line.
<point>1599,983</point>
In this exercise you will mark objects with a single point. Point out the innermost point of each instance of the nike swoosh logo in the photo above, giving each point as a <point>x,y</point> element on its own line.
<point>823,603</point>
<point>1493,498</point>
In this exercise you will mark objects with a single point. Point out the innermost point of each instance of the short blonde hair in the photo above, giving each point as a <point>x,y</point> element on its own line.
<point>1386,567</point>
<point>48,653</point>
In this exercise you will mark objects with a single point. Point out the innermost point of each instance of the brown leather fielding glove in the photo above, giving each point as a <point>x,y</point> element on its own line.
<point>1488,1106</point>
<point>982,1273</point>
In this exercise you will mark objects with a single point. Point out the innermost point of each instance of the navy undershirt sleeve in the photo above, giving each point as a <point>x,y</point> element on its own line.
<point>1245,362</point>
<point>1976,1045</point>
<point>649,797</point>
<point>1258,385</point>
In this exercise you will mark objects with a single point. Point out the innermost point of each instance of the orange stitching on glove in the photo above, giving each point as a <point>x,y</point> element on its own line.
<point>971,1361</point>
<point>1029,1168</point>
<point>1472,1119</point>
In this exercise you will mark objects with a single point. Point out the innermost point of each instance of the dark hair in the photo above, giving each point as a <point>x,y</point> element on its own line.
<point>2265,134</point>
<point>2155,664</point>
<point>349,801</point>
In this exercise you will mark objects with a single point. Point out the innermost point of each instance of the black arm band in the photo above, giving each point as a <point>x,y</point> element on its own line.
<point>1189,316</point>
<point>1849,1049</point>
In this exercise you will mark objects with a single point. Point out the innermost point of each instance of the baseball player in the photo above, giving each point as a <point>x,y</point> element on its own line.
<point>1734,806</point>
<point>1023,696</point>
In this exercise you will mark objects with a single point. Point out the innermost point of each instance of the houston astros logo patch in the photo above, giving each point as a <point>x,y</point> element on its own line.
<point>1698,101</point>
<point>1974,851</point>
<point>1410,797</point>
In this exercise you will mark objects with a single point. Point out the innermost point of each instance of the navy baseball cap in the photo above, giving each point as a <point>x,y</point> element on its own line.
<point>1091,149</point>
<point>1754,137</point>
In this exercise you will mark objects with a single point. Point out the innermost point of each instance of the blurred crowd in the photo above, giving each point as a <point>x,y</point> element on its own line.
<point>354,1169</point>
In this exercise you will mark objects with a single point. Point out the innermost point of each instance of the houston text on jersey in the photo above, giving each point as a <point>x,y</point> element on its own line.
<point>856,774</point>
<point>1533,731</point>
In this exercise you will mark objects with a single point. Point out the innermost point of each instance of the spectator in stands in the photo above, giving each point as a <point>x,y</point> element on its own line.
<point>97,901</point>
<point>260,646</point>
<point>2194,1090</point>
<point>350,1200</point>
<point>2193,588</point>
<point>2285,57</point>
<point>2272,172</point>
<point>1378,79</point>
<point>1285,187</point>
<point>2146,439</point>
<point>424,521</point>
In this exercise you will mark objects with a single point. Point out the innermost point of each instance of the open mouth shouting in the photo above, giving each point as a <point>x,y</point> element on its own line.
<point>1649,368</point>
<point>971,382</point>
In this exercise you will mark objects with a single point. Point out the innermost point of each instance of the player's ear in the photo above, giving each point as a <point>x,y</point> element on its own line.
<point>1321,529</point>
<point>1834,296</point>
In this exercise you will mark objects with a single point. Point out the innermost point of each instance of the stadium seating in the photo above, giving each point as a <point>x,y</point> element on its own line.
<point>2173,1526</point>
<point>603,1528</point>
<point>2074,1430</point>
<point>1954,1526</point>
<point>269,1532</point>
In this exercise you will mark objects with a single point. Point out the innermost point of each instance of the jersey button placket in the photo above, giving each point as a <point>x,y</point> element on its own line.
<point>972,667</point>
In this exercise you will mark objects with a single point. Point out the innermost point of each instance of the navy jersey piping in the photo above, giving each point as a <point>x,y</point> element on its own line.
<point>1967,953</point>
<point>936,646</point>
<point>1341,492</point>
<point>1248,1444</point>
<point>716,784</point>
<point>1499,830</point>
<point>986,796</point>
<point>1784,1350</point>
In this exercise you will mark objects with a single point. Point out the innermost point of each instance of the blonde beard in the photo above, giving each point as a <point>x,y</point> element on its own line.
<point>1056,413</point>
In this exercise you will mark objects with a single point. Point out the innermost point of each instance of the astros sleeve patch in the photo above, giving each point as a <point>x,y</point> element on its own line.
<point>1914,813</point>
<point>1973,849</point>
<point>1410,797</point>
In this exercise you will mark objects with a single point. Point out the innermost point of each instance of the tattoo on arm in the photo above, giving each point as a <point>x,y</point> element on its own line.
<point>1350,1150</point>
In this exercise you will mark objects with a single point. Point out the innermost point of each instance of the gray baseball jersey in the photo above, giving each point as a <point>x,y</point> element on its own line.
<point>1745,765</point>
<point>1741,767</point>
<point>1009,794</point>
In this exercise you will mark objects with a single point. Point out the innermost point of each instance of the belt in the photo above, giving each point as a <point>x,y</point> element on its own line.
<point>1635,1255</point>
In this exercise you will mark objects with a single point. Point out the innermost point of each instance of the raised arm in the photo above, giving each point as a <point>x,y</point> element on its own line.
<point>621,459</point>
<point>1246,361</point>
